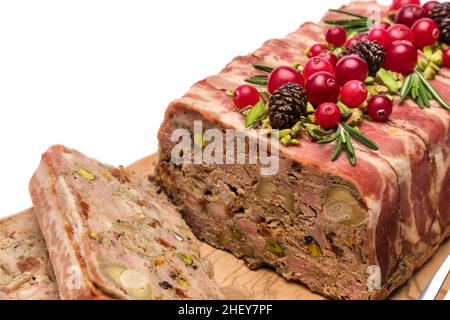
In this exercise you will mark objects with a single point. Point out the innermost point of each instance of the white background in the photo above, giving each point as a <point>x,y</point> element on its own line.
<point>98,75</point>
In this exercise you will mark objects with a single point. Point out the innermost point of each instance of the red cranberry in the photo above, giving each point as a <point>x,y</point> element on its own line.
<point>379,108</point>
<point>446,58</point>
<point>317,64</point>
<point>401,57</point>
<point>401,32</point>
<point>316,49</point>
<point>381,25</point>
<point>245,95</point>
<point>409,14</point>
<point>397,4</point>
<point>282,75</point>
<point>354,93</point>
<point>330,56</point>
<point>351,67</point>
<point>322,87</point>
<point>426,32</point>
<point>429,6</point>
<point>336,36</point>
<point>352,42</point>
<point>328,115</point>
<point>381,36</point>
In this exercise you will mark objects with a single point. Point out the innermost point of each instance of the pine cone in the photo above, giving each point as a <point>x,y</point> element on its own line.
<point>441,15</point>
<point>371,52</point>
<point>286,106</point>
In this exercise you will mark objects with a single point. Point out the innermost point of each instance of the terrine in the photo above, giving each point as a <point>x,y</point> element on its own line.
<point>111,235</point>
<point>25,269</point>
<point>348,232</point>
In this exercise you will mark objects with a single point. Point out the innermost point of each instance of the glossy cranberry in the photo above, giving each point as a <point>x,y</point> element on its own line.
<point>379,108</point>
<point>336,36</point>
<point>245,95</point>
<point>409,14</point>
<point>328,115</point>
<point>381,25</point>
<point>351,67</point>
<point>317,64</point>
<point>401,57</point>
<point>426,32</point>
<point>428,6</point>
<point>282,75</point>
<point>352,41</point>
<point>446,58</point>
<point>316,49</point>
<point>354,93</point>
<point>397,4</point>
<point>329,56</point>
<point>381,36</point>
<point>322,87</point>
<point>401,32</point>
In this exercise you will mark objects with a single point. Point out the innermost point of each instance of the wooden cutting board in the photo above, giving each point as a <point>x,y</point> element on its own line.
<point>239,282</point>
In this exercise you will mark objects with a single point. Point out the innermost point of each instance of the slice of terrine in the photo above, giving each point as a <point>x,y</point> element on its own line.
<point>348,232</point>
<point>25,269</point>
<point>111,235</point>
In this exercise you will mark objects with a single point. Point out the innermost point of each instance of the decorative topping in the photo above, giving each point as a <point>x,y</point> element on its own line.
<point>441,15</point>
<point>273,247</point>
<point>397,4</point>
<point>245,95</point>
<point>316,49</point>
<point>260,79</point>
<point>428,7</point>
<point>317,64</point>
<point>287,105</point>
<point>254,115</point>
<point>322,87</point>
<point>86,174</point>
<point>329,56</point>
<point>418,88</point>
<point>343,136</point>
<point>351,25</point>
<point>336,36</point>
<point>369,51</point>
<point>328,115</point>
<point>380,36</point>
<point>186,258</point>
<point>401,32</point>
<point>409,14</point>
<point>431,61</point>
<point>351,67</point>
<point>446,58</point>
<point>353,93</point>
<point>401,57</point>
<point>281,75</point>
<point>379,108</point>
<point>426,32</point>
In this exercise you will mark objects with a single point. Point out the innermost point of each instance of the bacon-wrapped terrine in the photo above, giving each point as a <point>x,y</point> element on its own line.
<point>25,269</point>
<point>348,232</point>
<point>111,235</point>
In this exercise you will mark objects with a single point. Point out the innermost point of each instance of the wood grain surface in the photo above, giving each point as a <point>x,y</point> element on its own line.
<point>239,282</point>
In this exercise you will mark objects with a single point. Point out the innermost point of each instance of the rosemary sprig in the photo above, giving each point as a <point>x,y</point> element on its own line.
<point>259,79</point>
<point>360,24</point>
<point>421,91</point>
<point>344,134</point>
